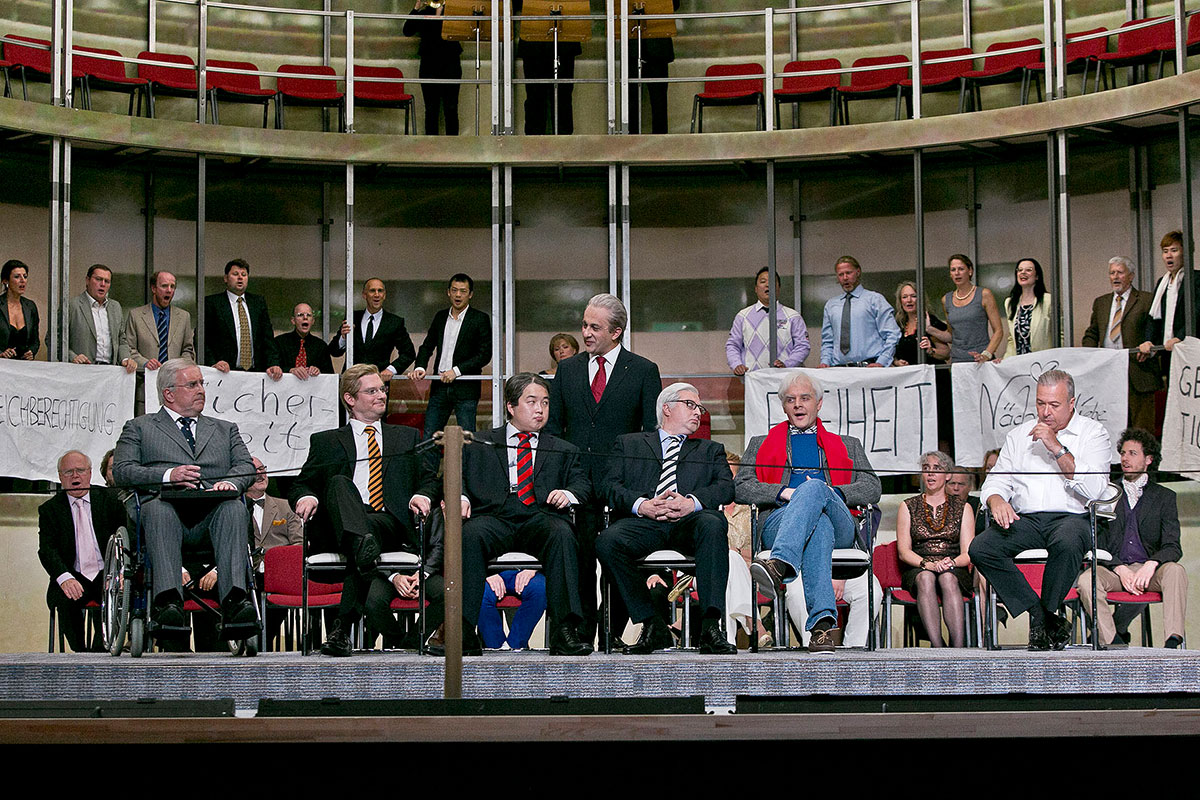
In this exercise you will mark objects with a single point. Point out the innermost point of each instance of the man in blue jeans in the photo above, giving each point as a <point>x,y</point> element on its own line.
<point>803,479</point>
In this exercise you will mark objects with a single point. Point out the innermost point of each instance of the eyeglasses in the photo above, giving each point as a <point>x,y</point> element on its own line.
<point>373,390</point>
<point>691,404</point>
<point>190,385</point>
<point>303,316</point>
<point>70,473</point>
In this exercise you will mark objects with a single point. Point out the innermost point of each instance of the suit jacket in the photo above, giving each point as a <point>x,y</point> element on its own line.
<point>82,337</point>
<point>392,335</point>
<point>1143,376</point>
<point>1154,327</point>
<point>140,335</point>
<point>220,332</point>
<point>627,406</point>
<point>29,309</point>
<point>1158,525</point>
<point>636,466</point>
<point>556,465</point>
<point>280,526</point>
<point>472,350</point>
<point>862,489</point>
<point>1039,326</point>
<point>56,529</point>
<point>332,453</point>
<point>152,443</point>
<point>315,349</point>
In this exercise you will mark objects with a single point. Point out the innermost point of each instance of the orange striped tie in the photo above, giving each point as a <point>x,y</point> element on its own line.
<point>374,471</point>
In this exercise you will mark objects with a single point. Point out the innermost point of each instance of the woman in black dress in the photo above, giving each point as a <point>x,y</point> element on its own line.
<point>18,315</point>
<point>935,343</point>
<point>933,533</point>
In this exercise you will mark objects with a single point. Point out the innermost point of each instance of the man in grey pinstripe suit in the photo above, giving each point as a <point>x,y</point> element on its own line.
<point>180,448</point>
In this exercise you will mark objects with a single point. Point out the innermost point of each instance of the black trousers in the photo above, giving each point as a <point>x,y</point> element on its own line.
<point>539,102</point>
<point>589,523</point>
<point>353,518</point>
<point>702,535</point>
<point>440,97</point>
<point>380,594</point>
<point>529,530</point>
<point>1066,537</point>
<point>651,68</point>
<point>70,612</point>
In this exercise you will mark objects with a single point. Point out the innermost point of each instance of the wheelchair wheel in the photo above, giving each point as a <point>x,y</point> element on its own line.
<point>115,600</point>
<point>137,637</point>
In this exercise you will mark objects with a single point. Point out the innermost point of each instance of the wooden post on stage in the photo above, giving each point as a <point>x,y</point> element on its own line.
<point>452,492</point>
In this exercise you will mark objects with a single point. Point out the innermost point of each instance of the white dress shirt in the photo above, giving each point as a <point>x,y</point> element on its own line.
<point>450,341</point>
<point>1105,340</point>
<point>88,561</point>
<point>362,324</point>
<point>610,358</point>
<point>362,467</point>
<point>1029,478</point>
<point>104,348</point>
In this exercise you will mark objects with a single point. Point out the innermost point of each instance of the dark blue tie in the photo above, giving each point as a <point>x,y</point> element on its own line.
<point>186,424</point>
<point>161,316</point>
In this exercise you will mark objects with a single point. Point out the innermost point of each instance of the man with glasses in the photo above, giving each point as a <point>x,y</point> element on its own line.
<point>360,486</point>
<point>665,492</point>
<point>178,447</point>
<point>300,353</point>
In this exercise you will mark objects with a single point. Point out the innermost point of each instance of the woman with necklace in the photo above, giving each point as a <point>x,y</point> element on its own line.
<point>976,327</point>
<point>1028,310</point>
<point>18,314</point>
<point>933,533</point>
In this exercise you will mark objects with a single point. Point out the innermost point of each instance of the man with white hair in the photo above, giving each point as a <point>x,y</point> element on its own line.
<point>1049,468</point>
<point>804,478</point>
<point>665,492</point>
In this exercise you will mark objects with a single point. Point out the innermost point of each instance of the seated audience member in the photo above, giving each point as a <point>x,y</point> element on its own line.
<point>1119,322</point>
<point>272,521</point>
<point>935,342</point>
<point>237,327</point>
<point>529,586</point>
<point>562,345</point>
<point>73,529</point>
<point>106,473</point>
<point>360,486</point>
<point>1143,539</point>
<point>301,353</point>
<point>933,533</point>
<point>95,324</point>
<point>1049,468</point>
<point>1028,309</point>
<point>977,331</point>
<point>18,314</point>
<point>749,344</point>
<point>665,491</point>
<point>518,484</point>
<point>804,481</point>
<point>178,447</point>
<point>859,328</point>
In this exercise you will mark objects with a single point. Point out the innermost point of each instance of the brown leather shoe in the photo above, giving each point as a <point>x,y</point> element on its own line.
<point>823,640</point>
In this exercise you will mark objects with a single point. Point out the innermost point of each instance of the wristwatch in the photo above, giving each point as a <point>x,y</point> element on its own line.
<point>1061,453</point>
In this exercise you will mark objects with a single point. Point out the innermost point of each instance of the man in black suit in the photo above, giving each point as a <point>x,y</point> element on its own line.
<point>596,396</point>
<point>360,483</point>
<point>300,353</point>
<point>237,328</point>
<point>377,333</point>
<point>665,491</point>
<point>1143,539</point>
<point>73,529</point>
<point>462,338</point>
<point>518,484</point>
<point>1119,323</point>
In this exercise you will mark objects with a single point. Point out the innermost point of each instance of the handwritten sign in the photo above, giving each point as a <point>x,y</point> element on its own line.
<point>893,411</point>
<point>1181,426</point>
<point>48,409</point>
<point>275,418</point>
<point>992,399</point>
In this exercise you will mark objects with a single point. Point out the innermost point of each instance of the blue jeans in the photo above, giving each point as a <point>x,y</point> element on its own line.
<point>533,605</point>
<point>803,534</point>
<point>440,403</point>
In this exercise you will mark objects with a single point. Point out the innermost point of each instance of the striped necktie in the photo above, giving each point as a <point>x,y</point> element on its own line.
<point>374,470</point>
<point>1114,332</point>
<point>667,482</point>
<point>525,469</point>
<point>163,334</point>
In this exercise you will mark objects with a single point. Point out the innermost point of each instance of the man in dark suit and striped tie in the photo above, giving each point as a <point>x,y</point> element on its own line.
<point>518,485</point>
<point>666,492</point>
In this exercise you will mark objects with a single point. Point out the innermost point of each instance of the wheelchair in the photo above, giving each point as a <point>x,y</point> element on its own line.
<point>126,597</point>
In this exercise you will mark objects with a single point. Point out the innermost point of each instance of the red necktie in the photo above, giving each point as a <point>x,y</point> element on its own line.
<point>302,356</point>
<point>600,380</point>
<point>524,470</point>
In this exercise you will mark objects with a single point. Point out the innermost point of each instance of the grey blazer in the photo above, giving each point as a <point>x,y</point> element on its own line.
<point>82,337</point>
<point>140,335</point>
<point>152,443</point>
<point>864,488</point>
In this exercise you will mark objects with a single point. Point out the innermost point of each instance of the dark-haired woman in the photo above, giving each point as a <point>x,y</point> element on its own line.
<point>1028,310</point>
<point>18,314</point>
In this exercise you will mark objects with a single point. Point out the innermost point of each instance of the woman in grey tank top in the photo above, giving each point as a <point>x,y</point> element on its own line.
<point>971,310</point>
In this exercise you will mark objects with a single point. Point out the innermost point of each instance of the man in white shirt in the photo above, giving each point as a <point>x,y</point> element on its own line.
<point>95,324</point>
<point>1049,468</point>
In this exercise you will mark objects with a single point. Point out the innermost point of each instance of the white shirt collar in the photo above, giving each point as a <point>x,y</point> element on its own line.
<point>511,432</point>
<point>233,298</point>
<point>609,358</point>
<point>358,426</point>
<point>94,303</point>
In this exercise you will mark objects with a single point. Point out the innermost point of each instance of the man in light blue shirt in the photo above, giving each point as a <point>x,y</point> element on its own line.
<point>859,327</point>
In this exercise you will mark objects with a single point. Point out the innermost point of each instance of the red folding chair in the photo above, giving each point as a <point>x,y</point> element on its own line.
<point>747,92</point>
<point>369,94</point>
<point>31,60</point>
<point>874,83</point>
<point>942,77</point>
<point>105,74</point>
<point>798,86</point>
<point>1002,68</point>
<point>163,80</point>
<point>1079,57</point>
<point>318,90</point>
<point>235,87</point>
<point>283,577</point>
<point>1137,47</point>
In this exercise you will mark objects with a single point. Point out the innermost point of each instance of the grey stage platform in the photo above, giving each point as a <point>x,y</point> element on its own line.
<point>919,671</point>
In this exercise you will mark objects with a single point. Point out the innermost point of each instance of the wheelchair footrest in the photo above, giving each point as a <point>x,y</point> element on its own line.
<point>246,630</point>
<point>170,631</point>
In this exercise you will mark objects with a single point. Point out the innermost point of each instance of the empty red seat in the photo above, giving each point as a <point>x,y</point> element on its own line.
<point>318,88</point>
<point>28,57</point>
<point>1001,68</point>
<point>743,92</point>
<point>104,73</point>
<point>236,87</point>
<point>797,86</point>
<point>1138,47</point>
<point>1079,57</point>
<point>882,82</point>
<point>372,94</point>
<point>165,80</point>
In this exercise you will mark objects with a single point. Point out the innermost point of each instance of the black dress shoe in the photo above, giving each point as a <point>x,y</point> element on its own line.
<point>565,641</point>
<point>1058,631</point>
<point>338,643</point>
<point>1174,642</point>
<point>366,553</point>
<point>713,641</point>
<point>239,619</point>
<point>655,636</point>
<point>1038,638</point>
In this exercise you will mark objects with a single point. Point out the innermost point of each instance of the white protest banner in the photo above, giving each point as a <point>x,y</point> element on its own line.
<point>1181,427</point>
<point>48,409</point>
<point>275,418</point>
<point>991,399</point>
<point>892,411</point>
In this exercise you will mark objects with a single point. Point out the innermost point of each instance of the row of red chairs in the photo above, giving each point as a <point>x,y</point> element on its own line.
<point>1137,47</point>
<point>175,76</point>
